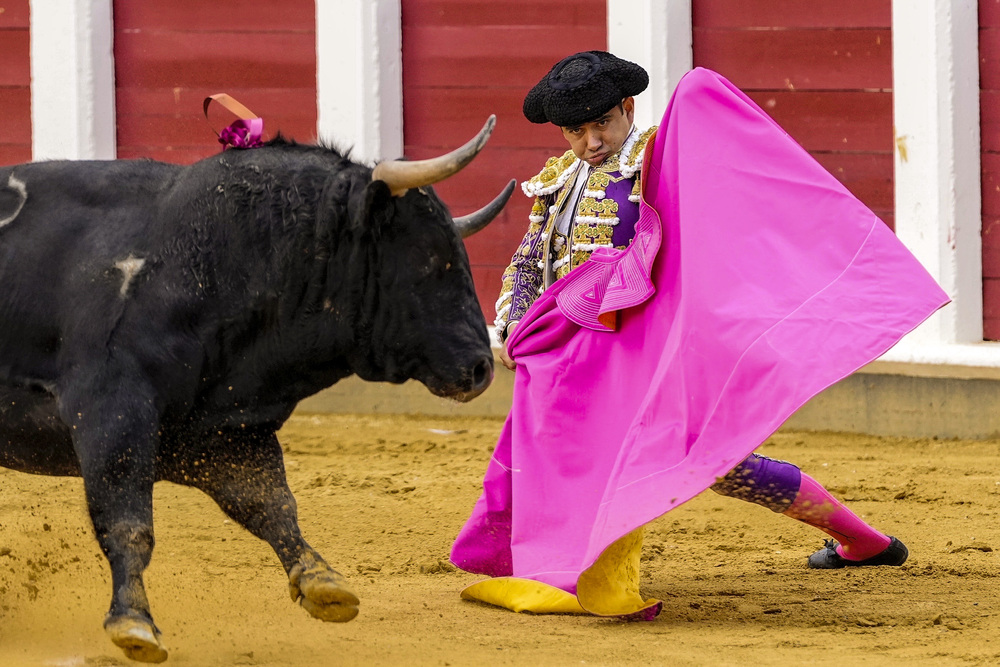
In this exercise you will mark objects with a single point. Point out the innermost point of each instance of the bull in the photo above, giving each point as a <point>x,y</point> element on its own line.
<point>161,322</point>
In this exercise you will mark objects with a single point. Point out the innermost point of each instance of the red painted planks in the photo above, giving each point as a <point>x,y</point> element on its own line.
<point>991,328</point>
<point>152,117</point>
<point>991,255</point>
<point>466,59</point>
<point>14,58</point>
<point>169,55</point>
<point>792,13</point>
<point>476,13</point>
<point>269,60</point>
<point>989,13</point>
<point>991,184</point>
<point>139,132</point>
<point>491,56</point>
<point>487,284</point>
<point>15,110</point>
<point>835,120</point>
<point>991,298</point>
<point>989,118</point>
<point>269,103</point>
<point>495,245</point>
<point>989,107</point>
<point>14,14</point>
<point>221,16</point>
<point>426,127</point>
<point>989,59</point>
<point>991,240</point>
<point>15,79</point>
<point>14,153</point>
<point>798,59</point>
<point>470,191</point>
<point>867,175</point>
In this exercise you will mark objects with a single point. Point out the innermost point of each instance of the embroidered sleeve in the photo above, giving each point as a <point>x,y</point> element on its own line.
<point>522,280</point>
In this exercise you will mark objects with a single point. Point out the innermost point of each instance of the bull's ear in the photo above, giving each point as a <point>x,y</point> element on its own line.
<point>374,209</point>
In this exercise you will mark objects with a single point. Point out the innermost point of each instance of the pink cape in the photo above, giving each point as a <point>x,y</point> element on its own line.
<point>772,282</point>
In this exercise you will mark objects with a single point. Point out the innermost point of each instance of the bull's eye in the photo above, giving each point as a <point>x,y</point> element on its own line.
<point>447,266</point>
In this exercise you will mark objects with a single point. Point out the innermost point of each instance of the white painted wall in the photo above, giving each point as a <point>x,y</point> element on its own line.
<point>359,79</point>
<point>72,80</point>
<point>657,35</point>
<point>936,116</point>
<point>938,196</point>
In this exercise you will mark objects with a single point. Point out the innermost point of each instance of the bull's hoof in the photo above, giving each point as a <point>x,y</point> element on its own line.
<point>137,637</point>
<point>322,592</point>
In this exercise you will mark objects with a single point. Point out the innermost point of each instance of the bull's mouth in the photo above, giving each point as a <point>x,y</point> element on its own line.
<point>459,396</point>
<point>475,382</point>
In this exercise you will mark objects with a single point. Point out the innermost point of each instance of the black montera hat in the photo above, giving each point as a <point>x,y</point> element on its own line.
<point>583,87</point>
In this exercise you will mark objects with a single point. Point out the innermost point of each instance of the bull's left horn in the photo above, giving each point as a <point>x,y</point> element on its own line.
<point>400,175</point>
<point>470,224</point>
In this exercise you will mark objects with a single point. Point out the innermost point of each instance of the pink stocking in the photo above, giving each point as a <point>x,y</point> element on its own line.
<point>814,505</point>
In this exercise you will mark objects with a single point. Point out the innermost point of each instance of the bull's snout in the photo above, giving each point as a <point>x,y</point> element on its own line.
<point>476,381</point>
<point>464,382</point>
<point>482,376</point>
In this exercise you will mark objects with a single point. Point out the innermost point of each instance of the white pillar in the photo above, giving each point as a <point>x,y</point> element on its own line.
<point>72,80</point>
<point>657,35</point>
<point>936,116</point>
<point>359,81</point>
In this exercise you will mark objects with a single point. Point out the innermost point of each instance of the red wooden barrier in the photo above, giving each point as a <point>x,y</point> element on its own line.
<point>989,107</point>
<point>822,70</point>
<point>466,59</point>
<point>15,82</point>
<point>170,54</point>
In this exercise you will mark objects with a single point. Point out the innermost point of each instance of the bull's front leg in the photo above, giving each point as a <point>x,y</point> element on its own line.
<point>243,471</point>
<point>114,426</point>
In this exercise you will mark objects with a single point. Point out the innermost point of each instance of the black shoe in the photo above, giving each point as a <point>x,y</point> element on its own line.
<point>827,558</point>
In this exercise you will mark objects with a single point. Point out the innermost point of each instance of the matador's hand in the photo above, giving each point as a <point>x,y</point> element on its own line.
<point>505,358</point>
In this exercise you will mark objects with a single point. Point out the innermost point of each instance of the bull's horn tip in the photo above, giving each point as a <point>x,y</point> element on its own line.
<point>487,130</point>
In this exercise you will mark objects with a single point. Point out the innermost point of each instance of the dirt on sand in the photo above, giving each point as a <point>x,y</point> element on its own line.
<point>383,497</point>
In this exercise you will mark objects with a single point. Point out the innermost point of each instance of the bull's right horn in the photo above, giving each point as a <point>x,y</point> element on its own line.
<point>468,225</point>
<point>401,175</point>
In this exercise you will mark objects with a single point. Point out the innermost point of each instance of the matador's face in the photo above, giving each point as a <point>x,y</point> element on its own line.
<point>596,141</point>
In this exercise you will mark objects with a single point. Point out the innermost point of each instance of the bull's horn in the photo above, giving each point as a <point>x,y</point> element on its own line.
<point>470,224</point>
<point>400,175</point>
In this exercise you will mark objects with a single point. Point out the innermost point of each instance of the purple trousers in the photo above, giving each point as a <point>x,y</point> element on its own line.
<point>758,479</point>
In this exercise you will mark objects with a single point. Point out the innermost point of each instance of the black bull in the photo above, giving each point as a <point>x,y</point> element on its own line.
<point>160,322</point>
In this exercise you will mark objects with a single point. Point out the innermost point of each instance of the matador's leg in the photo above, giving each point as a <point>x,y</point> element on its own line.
<point>782,487</point>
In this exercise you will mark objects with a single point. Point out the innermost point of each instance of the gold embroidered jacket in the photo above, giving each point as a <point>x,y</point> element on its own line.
<point>605,216</point>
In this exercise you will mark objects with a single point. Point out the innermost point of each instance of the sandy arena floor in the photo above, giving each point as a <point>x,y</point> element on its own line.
<point>382,497</point>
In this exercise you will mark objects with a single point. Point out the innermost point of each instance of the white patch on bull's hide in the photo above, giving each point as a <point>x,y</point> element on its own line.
<point>18,186</point>
<point>130,268</point>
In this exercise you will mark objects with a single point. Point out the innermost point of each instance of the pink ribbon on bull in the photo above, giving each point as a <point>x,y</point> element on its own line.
<point>242,134</point>
<point>247,132</point>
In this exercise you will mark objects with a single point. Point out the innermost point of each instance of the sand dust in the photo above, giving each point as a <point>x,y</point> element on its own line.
<point>382,498</point>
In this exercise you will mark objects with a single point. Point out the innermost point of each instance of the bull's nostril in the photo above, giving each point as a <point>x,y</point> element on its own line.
<point>482,375</point>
